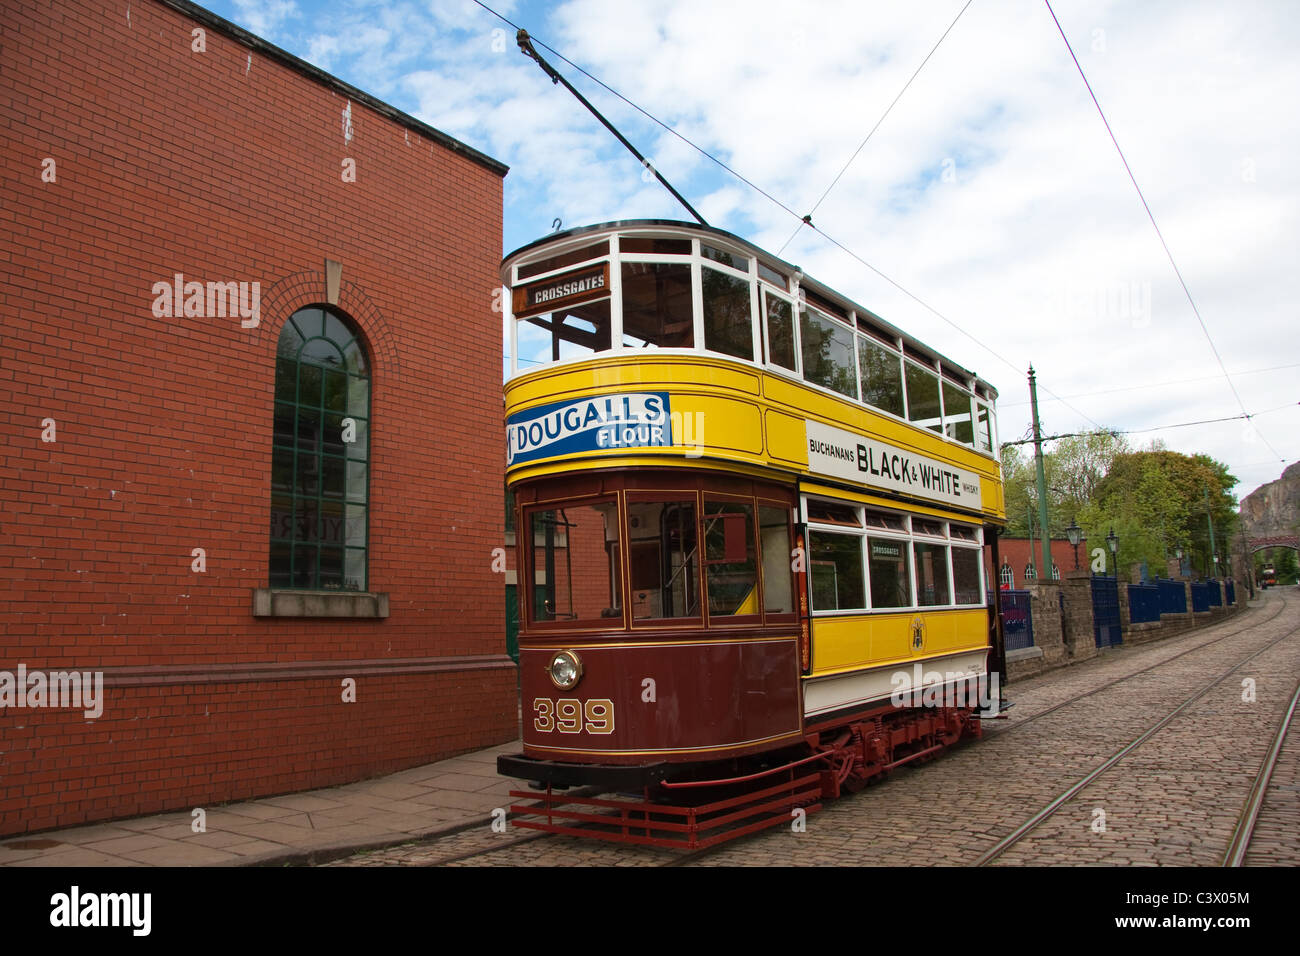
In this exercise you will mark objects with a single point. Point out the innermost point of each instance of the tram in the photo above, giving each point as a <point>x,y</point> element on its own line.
<point>750,521</point>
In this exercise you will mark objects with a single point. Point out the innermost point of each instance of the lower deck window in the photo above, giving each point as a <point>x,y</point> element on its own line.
<point>966,576</point>
<point>835,561</point>
<point>730,568</point>
<point>891,578</point>
<point>932,575</point>
<point>576,561</point>
<point>663,559</point>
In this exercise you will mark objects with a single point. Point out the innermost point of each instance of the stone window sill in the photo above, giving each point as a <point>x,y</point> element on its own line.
<point>282,602</point>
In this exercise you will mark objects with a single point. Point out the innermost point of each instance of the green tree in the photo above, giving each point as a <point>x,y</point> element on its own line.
<point>1156,501</point>
<point>1073,467</point>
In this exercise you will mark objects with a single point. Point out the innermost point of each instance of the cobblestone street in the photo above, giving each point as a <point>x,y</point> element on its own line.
<point>1174,799</point>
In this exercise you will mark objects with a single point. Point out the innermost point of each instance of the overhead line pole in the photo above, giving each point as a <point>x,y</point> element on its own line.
<point>1046,533</point>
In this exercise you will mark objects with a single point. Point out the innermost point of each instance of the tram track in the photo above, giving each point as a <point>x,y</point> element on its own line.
<point>998,732</point>
<point>1250,810</point>
<point>1245,829</point>
<point>459,852</point>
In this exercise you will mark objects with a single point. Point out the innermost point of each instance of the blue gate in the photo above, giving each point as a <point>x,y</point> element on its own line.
<point>1105,611</point>
<point>1143,603</point>
<point>1173,597</point>
<point>1017,619</point>
<point>1231,589</point>
<point>1200,596</point>
<point>1216,596</point>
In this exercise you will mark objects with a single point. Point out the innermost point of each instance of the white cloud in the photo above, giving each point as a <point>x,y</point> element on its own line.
<point>1032,249</point>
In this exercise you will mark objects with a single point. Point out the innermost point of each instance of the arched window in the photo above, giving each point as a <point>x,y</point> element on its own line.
<point>320,455</point>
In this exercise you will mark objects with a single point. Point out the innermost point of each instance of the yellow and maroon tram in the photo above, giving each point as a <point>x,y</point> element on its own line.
<point>750,517</point>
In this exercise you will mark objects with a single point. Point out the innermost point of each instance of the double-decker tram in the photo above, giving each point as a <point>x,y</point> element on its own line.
<point>750,517</point>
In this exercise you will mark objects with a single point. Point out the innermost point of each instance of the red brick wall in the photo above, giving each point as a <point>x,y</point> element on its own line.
<point>1015,551</point>
<point>229,169</point>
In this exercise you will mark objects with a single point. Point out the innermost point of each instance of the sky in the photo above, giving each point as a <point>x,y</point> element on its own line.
<point>991,192</point>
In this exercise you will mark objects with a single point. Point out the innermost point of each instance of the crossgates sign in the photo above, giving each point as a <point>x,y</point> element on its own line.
<point>877,464</point>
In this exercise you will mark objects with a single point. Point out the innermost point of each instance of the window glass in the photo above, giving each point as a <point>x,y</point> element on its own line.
<point>576,563</point>
<point>780,331</point>
<point>925,526</point>
<point>775,543</point>
<point>642,245</point>
<point>730,559</point>
<point>564,259</point>
<point>882,376</point>
<point>657,308</point>
<point>931,574</point>
<point>923,397</point>
<point>835,563</point>
<point>726,258</point>
<point>728,318</point>
<point>885,520</point>
<point>772,276</point>
<point>891,581</point>
<point>662,559</point>
<point>983,428</point>
<point>567,333</point>
<point>828,512</point>
<point>320,450</point>
<point>956,414</point>
<point>827,353</point>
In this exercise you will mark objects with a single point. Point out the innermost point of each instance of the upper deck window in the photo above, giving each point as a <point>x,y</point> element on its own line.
<point>768,274</point>
<point>706,295</point>
<point>650,245</point>
<point>881,372</point>
<point>923,398</point>
<point>956,414</point>
<point>780,331</point>
<point>726,258</point>
<point>728,315</point>
<point>574,332</point>
<point>657,308</point>
<point>572,258</point>
<point>828,353</point>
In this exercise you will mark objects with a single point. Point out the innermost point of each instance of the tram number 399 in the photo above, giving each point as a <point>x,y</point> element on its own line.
<point>573,716</point>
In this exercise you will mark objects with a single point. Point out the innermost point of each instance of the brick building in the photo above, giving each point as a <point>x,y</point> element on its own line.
<point>252,371</point>
<point>1015,554</point>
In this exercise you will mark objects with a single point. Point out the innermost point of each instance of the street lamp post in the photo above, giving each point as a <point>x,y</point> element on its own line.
<point>1073,532</point>
<point>1112,542</point>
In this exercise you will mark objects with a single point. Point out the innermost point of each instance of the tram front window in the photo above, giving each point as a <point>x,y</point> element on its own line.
<point>576,564</point>
<point>730,566</point>
<point>663,558</point>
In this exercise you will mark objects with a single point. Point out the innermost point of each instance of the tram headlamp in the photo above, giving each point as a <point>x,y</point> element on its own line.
<point>565,669</point>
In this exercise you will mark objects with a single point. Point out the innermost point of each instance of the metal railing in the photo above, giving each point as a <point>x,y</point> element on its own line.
<point>1173,597</point>
<point>1143,603</point>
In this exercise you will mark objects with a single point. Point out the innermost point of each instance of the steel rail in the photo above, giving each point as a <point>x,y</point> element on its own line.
<point>1038,818</point>
<point>994,732</point>
<point>1236,854</point>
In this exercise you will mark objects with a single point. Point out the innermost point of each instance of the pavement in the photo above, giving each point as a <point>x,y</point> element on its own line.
<point>311,827</point>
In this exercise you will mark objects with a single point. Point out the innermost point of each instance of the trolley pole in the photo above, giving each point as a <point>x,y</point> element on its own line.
<point>1045,532</point>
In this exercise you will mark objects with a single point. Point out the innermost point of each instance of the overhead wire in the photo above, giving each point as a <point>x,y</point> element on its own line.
<point>1179,381</point>
<point>807,220</point>
<point>1150,215</point>
<point>915,298</point>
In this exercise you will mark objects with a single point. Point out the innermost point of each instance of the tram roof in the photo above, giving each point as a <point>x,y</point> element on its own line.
<point>805,280</point>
